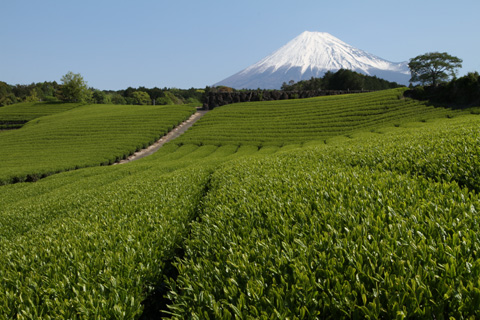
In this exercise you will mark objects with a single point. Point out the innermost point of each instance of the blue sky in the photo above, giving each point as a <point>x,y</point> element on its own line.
<point>184,43</point>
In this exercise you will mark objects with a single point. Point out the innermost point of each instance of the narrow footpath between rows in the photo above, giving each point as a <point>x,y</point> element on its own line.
<point>175,133</point>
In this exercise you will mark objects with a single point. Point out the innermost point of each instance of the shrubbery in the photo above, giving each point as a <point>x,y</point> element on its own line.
<point>74,89</point>
<point>343,79</point>
<point>464,91</point>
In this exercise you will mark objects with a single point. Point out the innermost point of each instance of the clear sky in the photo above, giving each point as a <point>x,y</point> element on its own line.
<point>115,44</point>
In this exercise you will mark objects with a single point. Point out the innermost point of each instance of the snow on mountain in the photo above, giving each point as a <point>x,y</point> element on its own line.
<point>311,54</point>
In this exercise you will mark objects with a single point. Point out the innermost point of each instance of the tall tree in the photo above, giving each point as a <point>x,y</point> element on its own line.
<point>433,67</point>
<point>74,88</point>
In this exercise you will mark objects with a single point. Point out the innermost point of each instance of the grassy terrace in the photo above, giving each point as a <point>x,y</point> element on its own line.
<point>298,121</point>
<point>15,116</point>
<point>84,136</point>
<point>381,224</point>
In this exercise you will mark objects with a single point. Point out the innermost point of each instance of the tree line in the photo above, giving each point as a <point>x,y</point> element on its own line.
<point>73,88</point>
<point>459,92</point>
<point>342,79</point>
<point>435,76</point>
<point>44,91</point>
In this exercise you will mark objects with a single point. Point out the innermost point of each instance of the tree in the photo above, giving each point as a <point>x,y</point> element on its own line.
<point>345,79</point>
<point>116,98</point>
<point>22,91</point>
<point>99,97</point>
<point>74,88</point>
<point>433,67</point>
<point>168,98</point>
<point>141,98</point>
<point>33,97</point>
<point>6,95</point>
<point>48,90</point>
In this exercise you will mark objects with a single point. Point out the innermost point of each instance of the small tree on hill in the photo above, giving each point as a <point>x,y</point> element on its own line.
<point>74,88</point>
<point>434,67</point>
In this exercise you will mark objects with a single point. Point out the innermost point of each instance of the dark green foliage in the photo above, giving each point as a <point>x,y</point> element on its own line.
<point>433,68</point>
<point>117,98</point>
<point>159,96</point>
<point>73,88</point>
<point>141,98</point>
<point>7,97</point>
<point>51,92</point>
<point>464,90</point>
<point>461,92</point>
<point>168,98</point>
<point>346,80</point>
<point>28,93</point>
<point>42,91</point>
<point>342,79</point>
<point>100,97</point>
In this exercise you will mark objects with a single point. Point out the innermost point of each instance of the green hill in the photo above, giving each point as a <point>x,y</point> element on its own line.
<point>381,221</point>
<point>297,121</point>
<point>16,115</point>
<point>88,135</point>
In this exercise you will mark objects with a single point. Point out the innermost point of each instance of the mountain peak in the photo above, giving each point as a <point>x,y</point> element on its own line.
<point>319,34</point>
<point>313,54</point>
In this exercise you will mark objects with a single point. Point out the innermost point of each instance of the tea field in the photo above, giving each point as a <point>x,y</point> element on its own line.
<point>372,217</point>
<point>84,136</point>
<point>15,116</point>
<point>350,231</point>
<point>283,122</point>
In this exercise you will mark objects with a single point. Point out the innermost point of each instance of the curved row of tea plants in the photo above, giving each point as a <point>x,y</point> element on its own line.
<point>100,250</point>
<point>319,233</point>
<point>297,121</point>
<point>16,115</point>
<point>339,230</point>
<point>93,243</point>
<point>89,135</point>
<point>447,151</point>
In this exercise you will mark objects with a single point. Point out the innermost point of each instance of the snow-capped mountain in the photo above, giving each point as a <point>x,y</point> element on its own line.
<point>311,54</point>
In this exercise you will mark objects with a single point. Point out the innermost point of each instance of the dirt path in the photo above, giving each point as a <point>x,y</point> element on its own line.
<point>176,132</point>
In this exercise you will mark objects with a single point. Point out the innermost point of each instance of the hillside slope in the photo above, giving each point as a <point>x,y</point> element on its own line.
<point>89,135</point>
<point>16,115</point>
<point>285,122</point>
<point>392,219</point>
<point>381,223</point>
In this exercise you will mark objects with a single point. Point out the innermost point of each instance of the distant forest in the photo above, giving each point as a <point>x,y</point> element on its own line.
<point>463,91</point>
<point>343,79</point>
<point>49,91</point>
